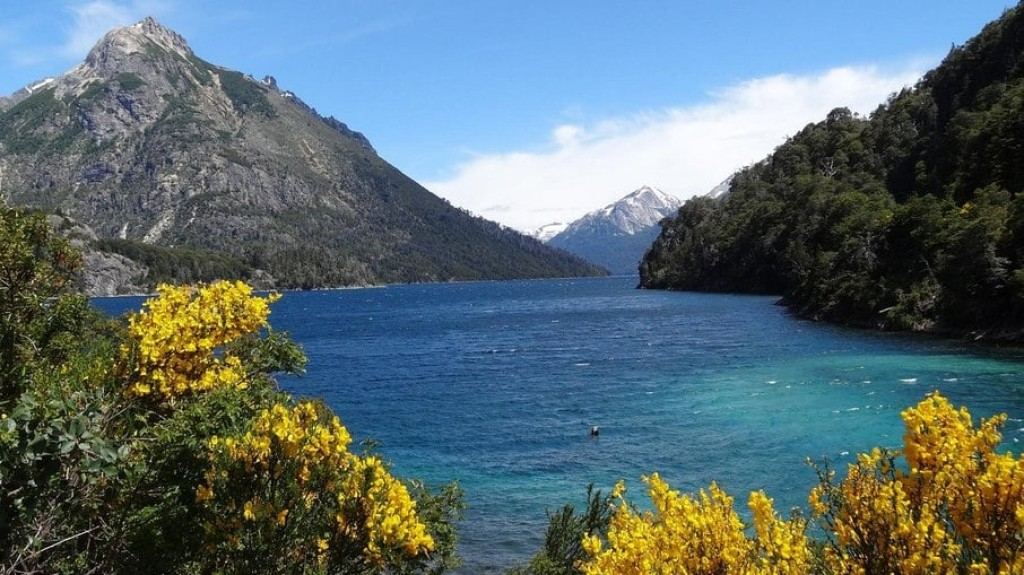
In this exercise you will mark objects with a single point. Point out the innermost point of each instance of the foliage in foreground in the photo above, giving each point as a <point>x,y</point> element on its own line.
<point>946,502</point>
<point>163,445</point>
<point>563,549</point>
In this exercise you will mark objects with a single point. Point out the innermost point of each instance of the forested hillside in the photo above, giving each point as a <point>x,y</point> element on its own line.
<point>911,218</point>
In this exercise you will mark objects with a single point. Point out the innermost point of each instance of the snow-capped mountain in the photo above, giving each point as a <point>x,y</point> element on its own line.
<point>632,214</point>
<point>546,232</point>
<point>617,235</point>
<point>721,189</point>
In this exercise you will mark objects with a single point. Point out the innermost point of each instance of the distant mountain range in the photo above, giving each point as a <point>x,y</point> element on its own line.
<point>617,235</point>
<point>178,163</point>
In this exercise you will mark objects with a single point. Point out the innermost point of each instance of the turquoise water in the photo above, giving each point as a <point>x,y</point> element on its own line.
<point>497,384</point>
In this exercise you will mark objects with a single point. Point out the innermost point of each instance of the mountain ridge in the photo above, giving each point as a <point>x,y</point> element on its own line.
<point>632,213</point>
<point>146,142</point>
<point>617,235</point>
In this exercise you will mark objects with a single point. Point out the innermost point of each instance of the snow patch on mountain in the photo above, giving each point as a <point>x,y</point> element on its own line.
<point>720,190</point>
<point>617,235</point>
<point>634,213</point>
<point>546,232</point>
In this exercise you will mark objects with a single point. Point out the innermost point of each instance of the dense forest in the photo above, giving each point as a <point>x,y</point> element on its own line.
<point>909,219</point>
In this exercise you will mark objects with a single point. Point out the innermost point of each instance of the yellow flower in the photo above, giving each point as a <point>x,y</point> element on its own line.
<point>176,340</point>
<point>955,500</point>
<point>956,506</point>
<point>305,456</point>
<point>249,511</point>
<point>203,493</point>
<point>686,534</point>
<point>619,490</point>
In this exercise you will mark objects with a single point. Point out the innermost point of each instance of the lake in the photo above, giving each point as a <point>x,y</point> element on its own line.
<point>496,385</point>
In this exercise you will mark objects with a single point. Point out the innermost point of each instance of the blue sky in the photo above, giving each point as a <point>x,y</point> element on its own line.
<point>530,112</point>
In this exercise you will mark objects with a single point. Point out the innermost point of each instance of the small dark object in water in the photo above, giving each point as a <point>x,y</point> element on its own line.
<point>595,431</point>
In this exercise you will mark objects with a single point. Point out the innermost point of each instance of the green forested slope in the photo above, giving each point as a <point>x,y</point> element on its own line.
<point>912,218</point>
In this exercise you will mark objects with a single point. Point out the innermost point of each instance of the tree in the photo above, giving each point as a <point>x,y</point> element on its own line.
<point>162,444</point>
<point>907,220</point>
<point>36,267</point>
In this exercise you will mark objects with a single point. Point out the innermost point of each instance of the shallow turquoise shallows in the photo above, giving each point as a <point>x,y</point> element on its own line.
<point>497,385</point>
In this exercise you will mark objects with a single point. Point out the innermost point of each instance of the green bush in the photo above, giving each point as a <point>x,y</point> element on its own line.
<point>100,474</point>
<point>563,541</point>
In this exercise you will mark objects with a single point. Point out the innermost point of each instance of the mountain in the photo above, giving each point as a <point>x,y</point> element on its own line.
<point>617,235</point>
<point>548,231</point>
<point>157,150</point>
<point>720,190</point>
<point>909,219</point>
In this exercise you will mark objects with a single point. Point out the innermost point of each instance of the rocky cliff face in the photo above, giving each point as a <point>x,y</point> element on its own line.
<point>147,142</point>
<point>617,235</point>
<point>103,273</point>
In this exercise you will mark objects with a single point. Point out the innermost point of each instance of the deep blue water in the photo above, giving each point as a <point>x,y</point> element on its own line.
<point>497,384</point>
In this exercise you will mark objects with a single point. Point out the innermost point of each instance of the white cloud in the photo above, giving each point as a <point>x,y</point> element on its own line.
<point>685,151</point>
<point>91,20</point>
<point>82,24</point>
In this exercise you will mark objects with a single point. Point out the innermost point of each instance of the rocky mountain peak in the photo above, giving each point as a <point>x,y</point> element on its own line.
<point>637,211</point>
<point>147,143</point>
<point>617,235</point>
<point>647,198</point>
<point>548,231</point>
<point>134,39</point>
<point>141,51</point>
<point>645,191</point>
<point>721,190</point>
<point>145,37</point>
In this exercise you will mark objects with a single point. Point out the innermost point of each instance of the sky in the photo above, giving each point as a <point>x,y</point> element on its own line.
<point>530,112</point>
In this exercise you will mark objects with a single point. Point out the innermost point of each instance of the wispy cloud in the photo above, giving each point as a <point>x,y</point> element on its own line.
<point>81,25</point>
<point>91,20</point>
<point>685,151</point>
<point>8,33</point>
<point>320,43</point>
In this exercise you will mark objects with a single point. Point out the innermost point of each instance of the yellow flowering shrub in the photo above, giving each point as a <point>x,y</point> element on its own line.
<point>176,341</point>
<point>879,526</point>
<point>956,506</point>
<point>947,502</point>
<point>374,502</point>
<point>291,474</point>
<point>167,446</point>
<point>782,545</point>
<point>697,535</point>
